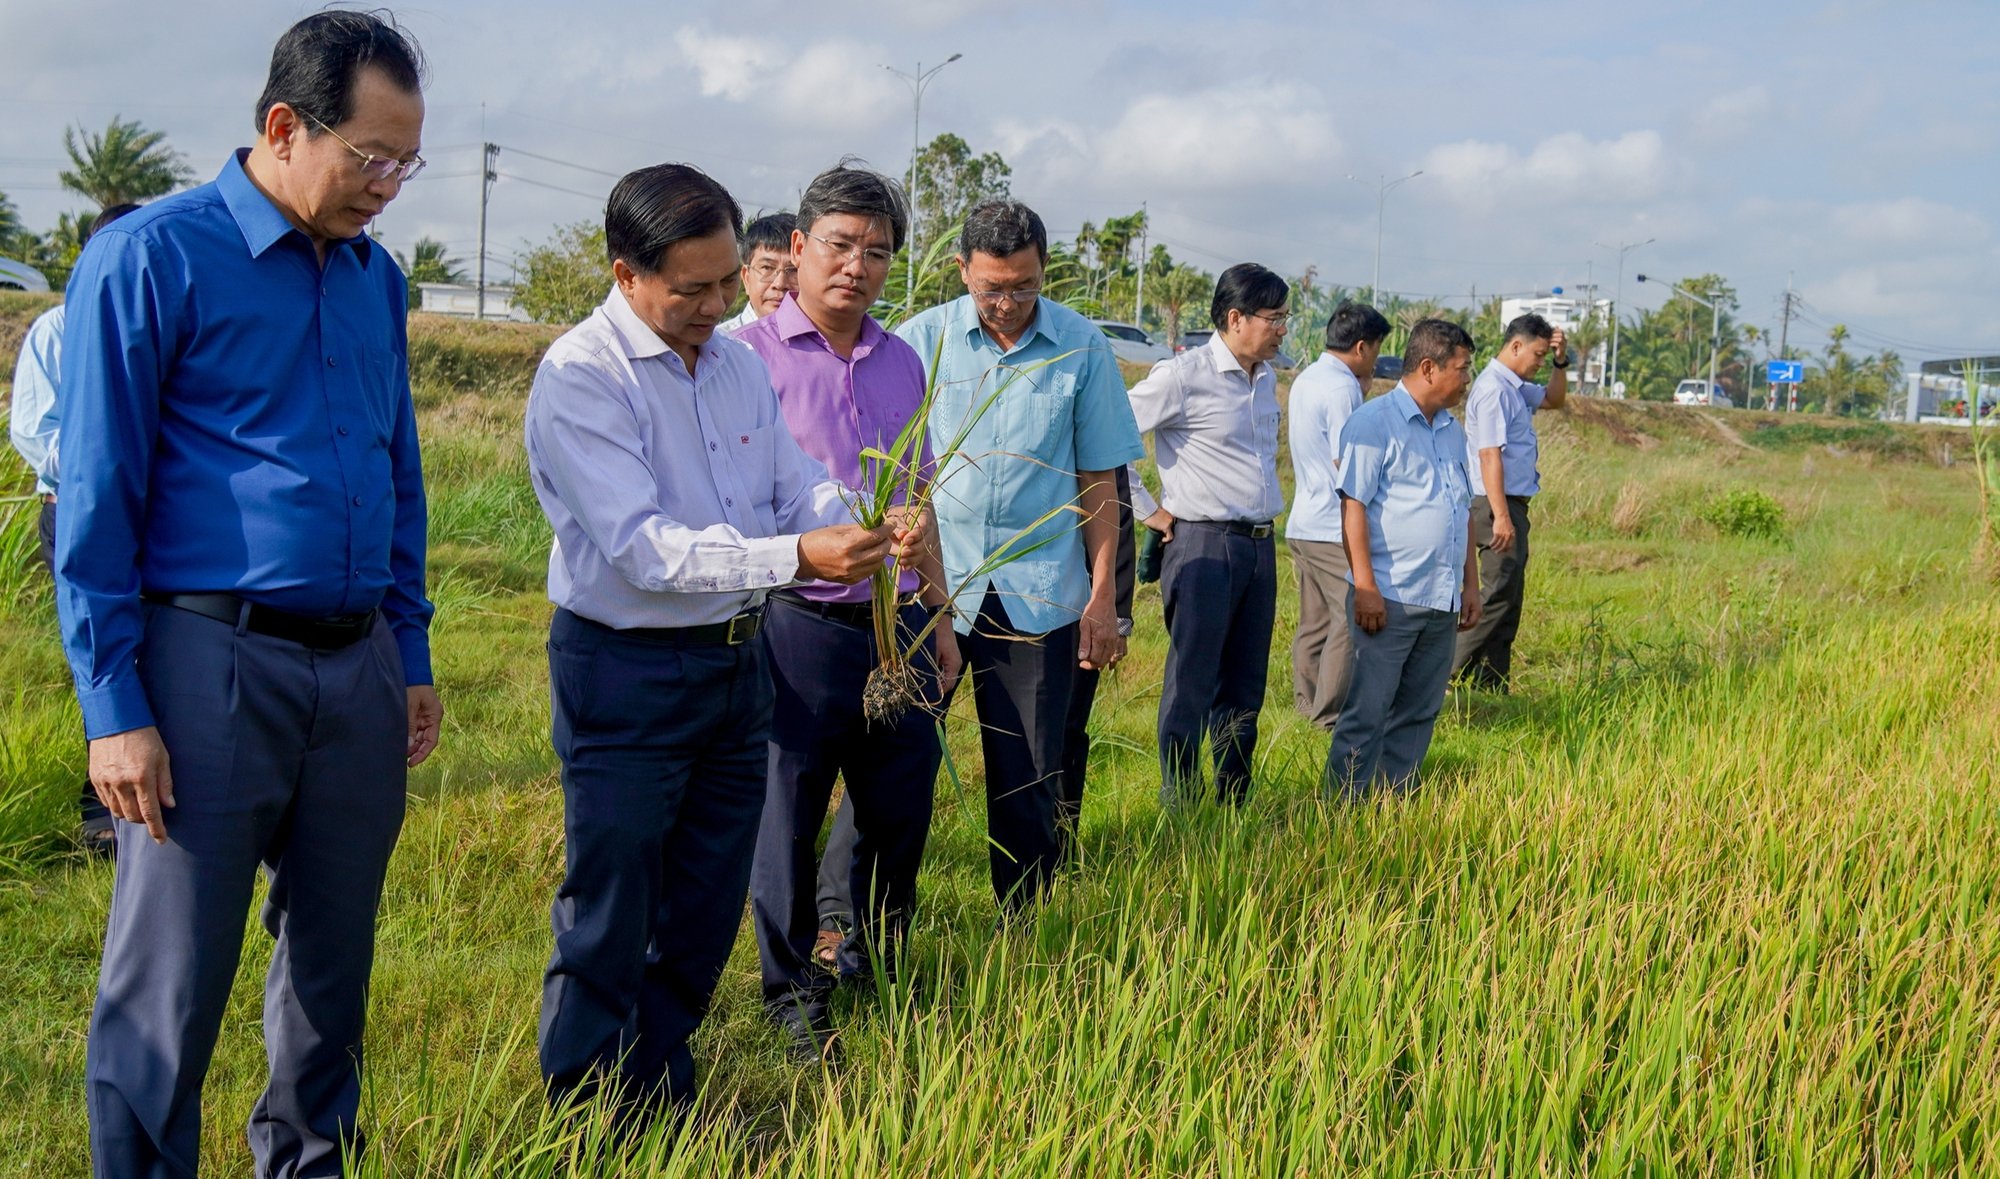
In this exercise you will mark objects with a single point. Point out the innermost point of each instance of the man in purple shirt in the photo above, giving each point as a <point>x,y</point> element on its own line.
<point>843,384</point>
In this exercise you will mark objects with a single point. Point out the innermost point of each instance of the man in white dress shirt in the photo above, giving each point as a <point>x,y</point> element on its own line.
<point>1213,412</point>
<point>1323,397</point>
<point>679,500</point>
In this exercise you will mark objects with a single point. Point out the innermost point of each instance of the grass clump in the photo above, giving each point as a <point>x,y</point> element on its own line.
<point>1746,512</point>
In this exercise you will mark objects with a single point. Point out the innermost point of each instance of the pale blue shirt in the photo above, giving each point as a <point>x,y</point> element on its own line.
<point>1215,434</point>
<point>676,499</point>
<point>1060,408</point>
<point>1410,474</point>
<point>1500,411</point>
<point>34,423</point>
<point>1323,397</point>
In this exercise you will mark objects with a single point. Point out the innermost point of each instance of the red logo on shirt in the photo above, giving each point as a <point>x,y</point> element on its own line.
<point>745,438</point>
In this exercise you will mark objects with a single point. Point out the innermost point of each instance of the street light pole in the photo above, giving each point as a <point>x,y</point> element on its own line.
<point>1618,305</point>
<point>1714,330</point>
<point>916,82</point>
<point>1382,186</point>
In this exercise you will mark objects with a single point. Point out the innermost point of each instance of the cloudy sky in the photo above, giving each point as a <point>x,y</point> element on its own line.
<point>1847,144</point>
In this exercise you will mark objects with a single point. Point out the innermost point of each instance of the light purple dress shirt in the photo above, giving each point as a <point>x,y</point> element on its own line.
<point>835,407</point>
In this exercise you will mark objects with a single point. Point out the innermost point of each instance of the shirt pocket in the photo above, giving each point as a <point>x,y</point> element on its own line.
<point>753,453</point>
<point>1040,407</point>
<point>380,395</point>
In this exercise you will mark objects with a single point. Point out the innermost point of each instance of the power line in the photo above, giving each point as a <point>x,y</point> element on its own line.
<point>595,196</point>
<point>520,151</point>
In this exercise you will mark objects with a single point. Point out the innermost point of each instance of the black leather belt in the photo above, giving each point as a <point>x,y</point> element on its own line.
<point>851,613</point>
<point>733,633</point>
<point>1255,530</point>
<point>321,634</point>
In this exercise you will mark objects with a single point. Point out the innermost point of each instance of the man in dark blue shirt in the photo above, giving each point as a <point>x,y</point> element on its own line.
<point>240,559</point>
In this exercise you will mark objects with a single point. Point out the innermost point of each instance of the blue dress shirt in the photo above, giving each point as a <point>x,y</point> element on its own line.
<point>32,421</point>
<point>235,419</point>
<point>1323,397</point>
<point>1021,458</point>
<point>1410,474</point>
<point>1500,412</point>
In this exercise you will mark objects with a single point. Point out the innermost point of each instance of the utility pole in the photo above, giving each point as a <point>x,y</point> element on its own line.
<point>1382,187</point>
<point>916,83</point>
<point>1139,298</point>
<point>489,155</point>
<point>1618,306</point>
<point>1784,333</point>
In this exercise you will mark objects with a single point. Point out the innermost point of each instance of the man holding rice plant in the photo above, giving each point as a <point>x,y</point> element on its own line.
<point>1036,391</point>
<point>845,387</point>
<point>1213,413</point>
<point>679,500</point>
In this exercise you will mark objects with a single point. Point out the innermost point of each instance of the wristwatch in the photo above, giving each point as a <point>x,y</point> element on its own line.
<point>1563,363</point>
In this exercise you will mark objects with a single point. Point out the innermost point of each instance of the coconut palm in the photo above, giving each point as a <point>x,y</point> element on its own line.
<point>428,262</point>
<point>124,163</point>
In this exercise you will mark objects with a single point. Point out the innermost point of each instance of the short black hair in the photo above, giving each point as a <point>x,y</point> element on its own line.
<point>106,217</point>
<point>1002,227</point>
<point>1248,288</point>
<point>1435,340</point>
<point>845,188</point>
<point>1354,323</point>
<point>1528,327</point>
<point>772,231</point>
<point>316,62</point>
<point>654,207</point>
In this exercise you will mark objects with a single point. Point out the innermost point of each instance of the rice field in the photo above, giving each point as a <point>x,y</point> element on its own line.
<point>1715,891</point>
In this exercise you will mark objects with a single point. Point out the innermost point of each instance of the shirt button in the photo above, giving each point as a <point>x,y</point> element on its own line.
<point>728,503</point>
<point>329,362</point>
<point>357,501</point>
<point>343,431</point>
<point>711,446</point>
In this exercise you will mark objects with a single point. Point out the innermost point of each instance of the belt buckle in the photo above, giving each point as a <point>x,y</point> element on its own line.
<point>735,637</point>
<point>1259,531</point>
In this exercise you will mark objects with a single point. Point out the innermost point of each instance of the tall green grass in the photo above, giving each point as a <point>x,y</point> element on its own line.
<point>1715,891</point>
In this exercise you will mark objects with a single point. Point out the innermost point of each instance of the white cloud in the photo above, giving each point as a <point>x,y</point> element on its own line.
<point>832,83</point>
<point>1562,168</point>
<point>728,67</point>
<point>1232,136</point>
<point>1910,223</point>
<point>1734,116</point>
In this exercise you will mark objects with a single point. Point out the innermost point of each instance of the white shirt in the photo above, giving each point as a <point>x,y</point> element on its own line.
<point>1323,397</point>
<point>737,322</point>
<point>676,500</point>
<point>1215,434</point>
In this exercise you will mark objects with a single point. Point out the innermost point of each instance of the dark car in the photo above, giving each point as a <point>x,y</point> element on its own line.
<point>1388,368</point>
<point>1193,338</point>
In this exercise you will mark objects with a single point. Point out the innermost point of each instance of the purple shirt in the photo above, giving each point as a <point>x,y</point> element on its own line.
<point>835,406</point>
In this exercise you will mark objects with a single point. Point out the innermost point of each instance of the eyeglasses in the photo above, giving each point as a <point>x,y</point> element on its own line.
<point>375,167</point>
<point>1274,318</point>
<point>996,298</point>
<point>770,270</point>
<point>874,256</point>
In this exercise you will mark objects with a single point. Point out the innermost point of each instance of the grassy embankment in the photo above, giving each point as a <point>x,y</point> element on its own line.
<point>1713,892</point>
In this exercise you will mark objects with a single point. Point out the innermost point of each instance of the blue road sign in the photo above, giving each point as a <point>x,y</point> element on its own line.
<point>1785,372</point>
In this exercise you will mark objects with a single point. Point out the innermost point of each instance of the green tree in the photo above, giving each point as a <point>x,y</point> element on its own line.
<point>1182,294</point>
<point>953,181</point>
<point>124,163</point>
<point>54,253</point>
<point>429,262</point>
<point>565,278</point>
<point>10,227</point>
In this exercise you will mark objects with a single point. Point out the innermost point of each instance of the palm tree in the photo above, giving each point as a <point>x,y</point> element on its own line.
<point>1178,290</point>
<point>10,225</point>
<point>428,262</point>
<point>125,163</point>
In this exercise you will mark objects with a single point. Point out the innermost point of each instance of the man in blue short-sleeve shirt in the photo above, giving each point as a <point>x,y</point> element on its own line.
<point>1403,492</point>
<point>1053,438</point>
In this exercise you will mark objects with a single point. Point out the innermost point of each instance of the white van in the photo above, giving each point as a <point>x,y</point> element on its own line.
<point>1700,393</point>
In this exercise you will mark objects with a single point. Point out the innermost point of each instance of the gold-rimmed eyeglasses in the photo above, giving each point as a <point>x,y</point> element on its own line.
<point>372,166</point>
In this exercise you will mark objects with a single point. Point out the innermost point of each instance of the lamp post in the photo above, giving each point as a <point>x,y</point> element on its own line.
<point>916,82</point>
<point>1382,186</point>
<point>1714,330</point>
<point>1618,305</point>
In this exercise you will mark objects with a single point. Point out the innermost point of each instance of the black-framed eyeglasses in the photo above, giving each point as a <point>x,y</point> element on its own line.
<point>874,256</point>
<point>1018,298</point>
<point>372,166</point>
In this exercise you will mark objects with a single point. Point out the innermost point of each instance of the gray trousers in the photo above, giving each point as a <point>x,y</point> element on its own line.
<point>284,756</point>
<point>1400,676</point>
<point>1322,653</point>
<point>1485,653</point>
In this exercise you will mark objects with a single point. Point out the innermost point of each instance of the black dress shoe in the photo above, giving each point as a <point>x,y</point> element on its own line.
<point>809,1034</point>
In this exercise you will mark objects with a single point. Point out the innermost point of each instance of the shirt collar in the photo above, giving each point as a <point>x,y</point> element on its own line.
<point>638,340</point>
<point>1225,360</point>
<point>1508,378</point>
<point>259,220</point>
<point>1407,408</point>
<point>791,321</point>
<point>968,324</point>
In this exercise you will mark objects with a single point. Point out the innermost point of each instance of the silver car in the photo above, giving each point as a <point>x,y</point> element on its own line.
<point>1132,344</point>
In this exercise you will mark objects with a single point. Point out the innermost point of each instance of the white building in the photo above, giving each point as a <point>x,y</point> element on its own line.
<point>1566,313</point>
<point>462,300</point>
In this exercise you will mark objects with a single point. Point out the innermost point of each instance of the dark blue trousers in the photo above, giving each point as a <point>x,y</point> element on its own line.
<point>1401,673</point>
<point>818,733</point>
<point>1220,589</point>
<point>663,751</point>
<point>281,756</point>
